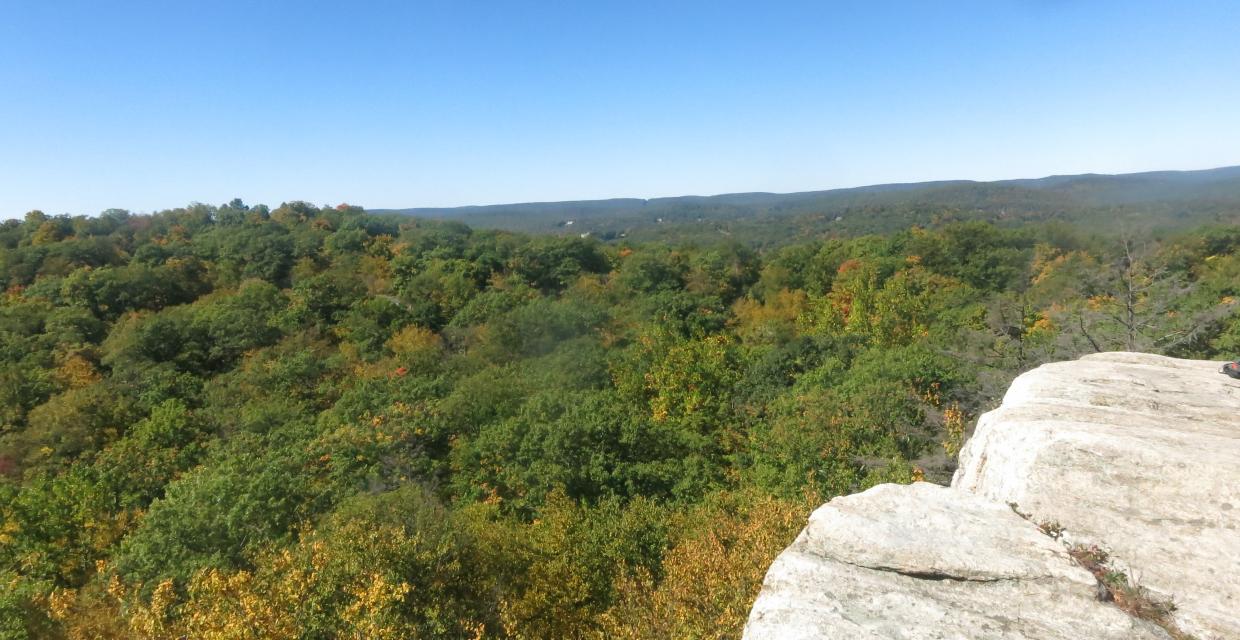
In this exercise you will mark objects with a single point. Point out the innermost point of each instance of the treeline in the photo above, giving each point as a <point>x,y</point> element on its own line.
<point>236,422</point>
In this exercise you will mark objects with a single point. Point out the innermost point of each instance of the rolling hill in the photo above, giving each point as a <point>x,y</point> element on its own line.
<point>1159,199</point>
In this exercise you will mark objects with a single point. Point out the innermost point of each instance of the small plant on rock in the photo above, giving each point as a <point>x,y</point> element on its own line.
<point>1052,529</point>
<point>1116,586</point>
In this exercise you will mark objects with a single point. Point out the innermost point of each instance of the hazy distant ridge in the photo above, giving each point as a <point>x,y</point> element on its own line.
<point>1051,196</point>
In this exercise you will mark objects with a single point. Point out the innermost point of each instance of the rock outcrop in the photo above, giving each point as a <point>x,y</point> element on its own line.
<point>924,561</point>
<point>1136,453</point>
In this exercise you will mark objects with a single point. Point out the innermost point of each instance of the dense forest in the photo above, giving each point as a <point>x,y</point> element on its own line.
<point>313,422</point>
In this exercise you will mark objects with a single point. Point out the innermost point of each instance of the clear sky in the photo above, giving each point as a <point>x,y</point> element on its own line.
<point>145,106</point>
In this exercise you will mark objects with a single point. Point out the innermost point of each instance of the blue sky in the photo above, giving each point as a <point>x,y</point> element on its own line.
<point>153,105</point>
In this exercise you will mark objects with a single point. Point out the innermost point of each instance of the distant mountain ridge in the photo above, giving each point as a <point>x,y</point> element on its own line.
<point>1166,195</point>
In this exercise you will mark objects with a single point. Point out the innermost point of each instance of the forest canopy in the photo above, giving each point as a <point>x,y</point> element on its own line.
<point>314,422</point>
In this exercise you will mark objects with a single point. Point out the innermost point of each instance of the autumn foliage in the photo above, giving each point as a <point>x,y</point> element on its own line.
<point>234,422</point>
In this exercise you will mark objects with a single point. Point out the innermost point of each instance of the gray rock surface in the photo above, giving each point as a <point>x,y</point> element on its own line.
<point>1136,452</point>
<point>925,561</point>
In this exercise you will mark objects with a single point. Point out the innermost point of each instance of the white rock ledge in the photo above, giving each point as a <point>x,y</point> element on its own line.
<point>1136,452</point>
<point>1139,453</point>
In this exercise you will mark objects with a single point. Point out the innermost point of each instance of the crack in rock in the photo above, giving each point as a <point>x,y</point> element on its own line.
<point>926,574</point>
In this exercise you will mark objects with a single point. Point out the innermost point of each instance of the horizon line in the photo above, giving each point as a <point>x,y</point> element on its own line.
<point>806,191</point>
